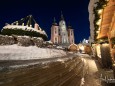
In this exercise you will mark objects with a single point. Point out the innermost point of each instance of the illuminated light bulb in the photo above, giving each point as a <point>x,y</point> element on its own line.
<point>97,31</point>
<point>100,11</point>
<point>98,22</point>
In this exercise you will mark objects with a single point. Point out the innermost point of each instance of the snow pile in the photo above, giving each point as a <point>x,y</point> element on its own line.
<point>14,52</point>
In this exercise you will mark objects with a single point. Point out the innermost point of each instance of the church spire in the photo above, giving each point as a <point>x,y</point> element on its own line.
<point>62,18</point>
<point>54,21</point>
<point>69,25</point>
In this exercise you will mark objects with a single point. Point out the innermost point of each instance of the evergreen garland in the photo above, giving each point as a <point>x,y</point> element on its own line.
<point>103,40</point>
<point>100,5</point>
<point>21,32</point>
<point>113,40</point>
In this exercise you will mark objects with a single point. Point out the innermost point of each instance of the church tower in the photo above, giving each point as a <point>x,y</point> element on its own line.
<point>71,35</point>
<point>63,31</point>
<point>54,32</point>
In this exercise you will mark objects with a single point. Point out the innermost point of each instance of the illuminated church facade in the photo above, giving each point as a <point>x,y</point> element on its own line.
<point>61,34</point>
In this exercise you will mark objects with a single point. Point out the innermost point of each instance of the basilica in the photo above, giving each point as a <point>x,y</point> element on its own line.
<point>61,34</point>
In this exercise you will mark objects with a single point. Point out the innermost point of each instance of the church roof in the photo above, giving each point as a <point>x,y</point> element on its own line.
<point>62,17</point>
<point>72,45</point>
<point>69,26</point>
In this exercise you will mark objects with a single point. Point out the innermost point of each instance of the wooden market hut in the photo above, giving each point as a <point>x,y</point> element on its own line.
<point>87,49</point>
<point>73,48</point>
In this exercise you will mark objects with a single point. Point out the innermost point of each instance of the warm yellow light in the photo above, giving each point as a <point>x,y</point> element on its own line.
<point>98,22</point>
<point>100,11</point>
<point>105,45</point>
<point>98,49</point>
<point>97,31</point>
<point>81,47</point>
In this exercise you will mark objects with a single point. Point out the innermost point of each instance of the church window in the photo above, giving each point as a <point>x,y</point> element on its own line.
<point>55,40</point>
<point>59,31</point>
<point>68,34</point>
<point>72,40</point>
<point>71,32</point>
<point>55,31</point>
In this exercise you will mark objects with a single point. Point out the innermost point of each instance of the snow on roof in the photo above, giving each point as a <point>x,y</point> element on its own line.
<point>49,42</point>
<point>72,44</point>
<point>24,28</point>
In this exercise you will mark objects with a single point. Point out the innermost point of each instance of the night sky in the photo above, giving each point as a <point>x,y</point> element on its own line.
<point>75,12</point>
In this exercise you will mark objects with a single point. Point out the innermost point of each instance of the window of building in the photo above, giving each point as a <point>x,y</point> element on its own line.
<point>72,40</point>
<point>56,40</point>
<point>71,33</point>
<point>55,31</point>
<point>59,31</point>
<point>68,34</point>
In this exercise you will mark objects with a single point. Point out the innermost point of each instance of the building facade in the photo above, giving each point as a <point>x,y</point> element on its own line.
<point>55,33</point>
<point>106,19</point>
<point>63,31</point>
<point>61,34</point>
<point>103,13</point>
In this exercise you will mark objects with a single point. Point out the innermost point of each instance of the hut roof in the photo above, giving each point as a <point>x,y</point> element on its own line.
<point>72,45</point>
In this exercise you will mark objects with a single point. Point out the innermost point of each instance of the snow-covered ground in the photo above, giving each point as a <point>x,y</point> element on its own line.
<point>14,52</point>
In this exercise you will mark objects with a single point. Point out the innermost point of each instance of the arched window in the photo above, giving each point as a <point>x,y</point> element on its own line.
<point>71,33</point>
<point>55,31</point>
<point>56,40</point>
